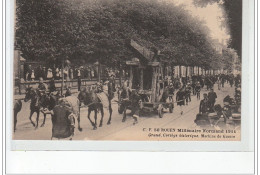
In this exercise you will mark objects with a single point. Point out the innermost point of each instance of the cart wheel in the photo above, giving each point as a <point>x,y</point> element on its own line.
<point>160,111</point>
<point>171,108</point>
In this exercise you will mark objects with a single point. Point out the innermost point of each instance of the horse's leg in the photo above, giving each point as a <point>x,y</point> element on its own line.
<point>37,119</point>
<point>102,115</point>
<point>89,112</point>
<point>15,120</point>
<point>79,128</point>
<point>44,118</point>
<point>30,118</point>
<point>110,113</point>
<point>95,125</point>
<point>124,114</point>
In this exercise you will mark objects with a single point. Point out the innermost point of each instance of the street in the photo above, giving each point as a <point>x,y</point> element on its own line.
<point>119,130</point>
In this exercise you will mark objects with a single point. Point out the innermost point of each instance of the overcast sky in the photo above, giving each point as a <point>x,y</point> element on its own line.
<point>211,14</point>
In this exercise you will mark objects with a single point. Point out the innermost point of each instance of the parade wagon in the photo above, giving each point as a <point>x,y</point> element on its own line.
<point>147,76</point>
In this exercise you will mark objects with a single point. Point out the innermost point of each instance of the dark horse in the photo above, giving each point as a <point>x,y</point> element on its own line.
<point>17,108</point>
<point>51,100</point>
<point>37,103</point>
<point>90,98</point>
<point>74,102</point>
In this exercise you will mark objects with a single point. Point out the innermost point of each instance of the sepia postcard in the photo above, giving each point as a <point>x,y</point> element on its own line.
<point>131,70</point>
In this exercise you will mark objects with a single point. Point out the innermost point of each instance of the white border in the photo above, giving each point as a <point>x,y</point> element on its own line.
<point>77,162</point>
<point>246,143</point>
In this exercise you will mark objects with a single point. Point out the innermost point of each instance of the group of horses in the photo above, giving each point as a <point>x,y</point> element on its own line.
<point>45,102</point>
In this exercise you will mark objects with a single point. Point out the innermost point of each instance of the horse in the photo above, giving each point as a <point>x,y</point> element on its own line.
<point>52,100</point>
<point>90,97</point>
<point>36,105</point>
<point>17,108</point>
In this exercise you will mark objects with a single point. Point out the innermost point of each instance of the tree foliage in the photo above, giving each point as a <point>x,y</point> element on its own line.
<point>100,30</point>
<point>233,20</point>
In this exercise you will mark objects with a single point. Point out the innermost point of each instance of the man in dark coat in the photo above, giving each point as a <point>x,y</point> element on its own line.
<point>63,122</point>
<point>111,87</point>
<point>171,92</point>
<point>135,103</point>
<point>204,104</point>
<point>180,98</point>
<point>212,98</point>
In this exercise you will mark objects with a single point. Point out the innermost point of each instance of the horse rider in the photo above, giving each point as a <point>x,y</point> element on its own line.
<point>99,87</point>
<point>68,92</point>
<point>42,87</point>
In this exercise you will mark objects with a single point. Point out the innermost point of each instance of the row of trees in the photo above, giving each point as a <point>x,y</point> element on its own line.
<point>90,31</point>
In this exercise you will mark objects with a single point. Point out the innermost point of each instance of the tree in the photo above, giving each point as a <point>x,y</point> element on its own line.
<point>101,30</point>
<point>232,20</point>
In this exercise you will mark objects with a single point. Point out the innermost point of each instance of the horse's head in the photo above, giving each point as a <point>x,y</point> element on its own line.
<point>28,94</point>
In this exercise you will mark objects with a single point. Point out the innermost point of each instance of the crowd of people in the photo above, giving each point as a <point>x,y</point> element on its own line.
<point>187,86</point>
<point>69,72</point>
<point>32,74</point>
<point>183,87</point>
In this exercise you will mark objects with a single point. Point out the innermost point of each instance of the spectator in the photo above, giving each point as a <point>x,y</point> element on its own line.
<point>60,74</point>
<point>79,79</point>
<point>44,73</point>
<point>29,73</point>
<point>32,76</point>
<point>49,74</point>
<point>57,74</point>
<point>52,85</point>
<point>71,72</point>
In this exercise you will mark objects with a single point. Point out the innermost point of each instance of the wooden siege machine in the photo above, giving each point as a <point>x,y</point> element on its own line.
<point>146,74</point>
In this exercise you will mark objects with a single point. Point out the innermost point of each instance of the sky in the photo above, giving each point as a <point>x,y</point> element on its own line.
<point>211,14</point>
